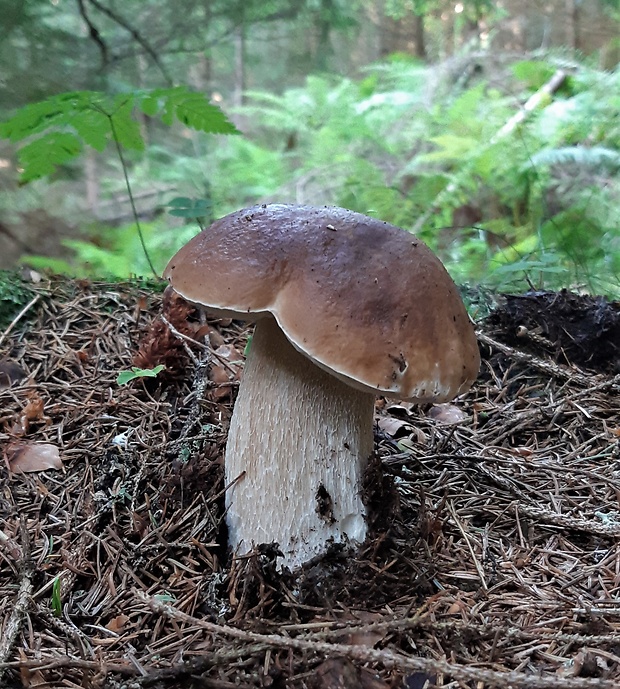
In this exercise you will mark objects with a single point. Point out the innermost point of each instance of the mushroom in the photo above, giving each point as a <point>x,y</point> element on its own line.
<point>346,307</point>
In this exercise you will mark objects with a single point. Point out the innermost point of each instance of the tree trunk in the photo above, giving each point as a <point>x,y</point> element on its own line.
<point>324,48</point>
<point>239,43</point>
<point>419,37</point>
<point>573,38</point>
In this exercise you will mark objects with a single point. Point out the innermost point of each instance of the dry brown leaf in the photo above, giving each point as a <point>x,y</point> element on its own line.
<point>230,354</point>
<point>394,427</point>
<point>221,393</point>
<point>82,355</point>
<point>362,637</point>
<point>218,374</point>
<point>341,673</point>
<point>216,338</point>
<point>447,413</point>
<point>117,623</point>
<point>456,608</point>
<point>32,457</point>
<point>223,374</point>
<point>222,377</point>
<point>33,411</point>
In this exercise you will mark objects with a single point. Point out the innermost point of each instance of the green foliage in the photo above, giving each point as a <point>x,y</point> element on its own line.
<point>56,598</point>
<point>579,157</point>
<point>532,204</point>
<point>183,207</point>
<point>14,294</point>
<point>117,252</point>
<point>242,172</point>
<point>56,129</point>
<point>125,377</point>
<point>535,73</point>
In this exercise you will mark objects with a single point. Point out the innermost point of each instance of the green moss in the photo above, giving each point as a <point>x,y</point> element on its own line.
<point>14,295</point>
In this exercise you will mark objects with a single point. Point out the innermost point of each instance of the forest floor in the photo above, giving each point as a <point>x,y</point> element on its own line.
<point>498,566</point>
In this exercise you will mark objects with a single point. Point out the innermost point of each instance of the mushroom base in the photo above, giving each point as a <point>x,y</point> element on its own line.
<point>298,445</point>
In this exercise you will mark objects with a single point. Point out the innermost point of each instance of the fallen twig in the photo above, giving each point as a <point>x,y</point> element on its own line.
<point>22,601</point>
<point>19,316</point>
<point>387,658</point>
<point>550,368</point>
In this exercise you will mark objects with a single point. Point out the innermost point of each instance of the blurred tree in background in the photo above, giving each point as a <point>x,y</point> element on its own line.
<point>402,109</point>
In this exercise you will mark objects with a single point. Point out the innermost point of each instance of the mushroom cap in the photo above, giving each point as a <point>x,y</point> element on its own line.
<point>363,299</point>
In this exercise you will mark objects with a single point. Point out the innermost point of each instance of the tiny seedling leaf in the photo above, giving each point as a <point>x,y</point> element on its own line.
<point>56,600</point>
<point>182,207</point>
<point>246,349</point>
<point>125,377</point>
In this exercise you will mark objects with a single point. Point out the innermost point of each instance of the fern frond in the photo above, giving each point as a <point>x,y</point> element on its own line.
<point>57,128</point>
<point>41,156</point>
<point>580,156</point>
<point>189,107</point>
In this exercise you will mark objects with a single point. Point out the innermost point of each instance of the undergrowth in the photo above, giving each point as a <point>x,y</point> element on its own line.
<point>14,295</point>
<point>532,204</point>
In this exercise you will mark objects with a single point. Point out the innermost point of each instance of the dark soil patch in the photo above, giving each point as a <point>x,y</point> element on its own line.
<point>573,328</point>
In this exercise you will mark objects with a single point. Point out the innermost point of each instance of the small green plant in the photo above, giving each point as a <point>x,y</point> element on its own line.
<point>57,129</point>
<point>191,209</point>
<point>54,131</point>
<point>125,377</point>
<point>56,599</point>
<point>14,294</point>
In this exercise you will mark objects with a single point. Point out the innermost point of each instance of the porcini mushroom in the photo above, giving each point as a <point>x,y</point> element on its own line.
<point>346,307</point>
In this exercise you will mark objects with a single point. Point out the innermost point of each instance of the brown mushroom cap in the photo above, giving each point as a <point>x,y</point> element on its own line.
<point>363,299</point>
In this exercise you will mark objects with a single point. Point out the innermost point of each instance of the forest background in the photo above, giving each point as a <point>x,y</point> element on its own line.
<point>491,129</point>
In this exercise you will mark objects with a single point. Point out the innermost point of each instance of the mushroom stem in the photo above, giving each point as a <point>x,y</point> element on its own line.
<point>298,445</point>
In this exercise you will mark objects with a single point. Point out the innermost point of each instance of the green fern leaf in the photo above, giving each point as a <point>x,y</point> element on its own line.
<point>195,111</point>
<point>150,103</point>
<point>41,156</point>
<point>452,147</point>
<point>70,120</point>
<point>92,126</point>
<point>58,111</point>
<point>534,73</point>
<point>35,118</point>
<point>580,156</point>
<point>126,127</point>
<point>189,107</point>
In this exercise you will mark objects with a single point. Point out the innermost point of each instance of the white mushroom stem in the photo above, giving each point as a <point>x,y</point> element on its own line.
<point>298,445</point>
